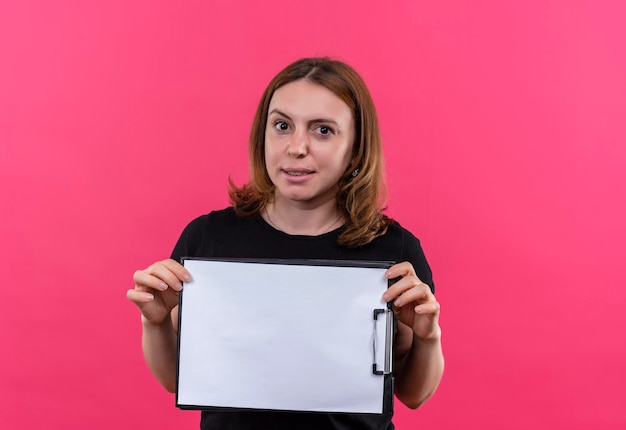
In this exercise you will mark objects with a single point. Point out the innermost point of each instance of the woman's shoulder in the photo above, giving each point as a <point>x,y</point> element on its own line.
<point>219,216</point>
<point>411,250</point>
<point>223,223</point>
<point>205,232</point>
<point>396,232</point>
<point>226,215</point>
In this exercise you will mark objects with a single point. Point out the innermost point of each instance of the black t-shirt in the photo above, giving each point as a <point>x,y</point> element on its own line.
<point>223,234</point>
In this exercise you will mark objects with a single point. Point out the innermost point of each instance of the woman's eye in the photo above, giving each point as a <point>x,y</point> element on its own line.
<point>325,130</point>
<point>281,126</point>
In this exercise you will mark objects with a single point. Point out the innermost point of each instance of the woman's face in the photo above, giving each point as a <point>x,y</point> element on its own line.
<point>309,137</point>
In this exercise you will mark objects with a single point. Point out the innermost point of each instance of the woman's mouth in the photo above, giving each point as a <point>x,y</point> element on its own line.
<point>297,172</point>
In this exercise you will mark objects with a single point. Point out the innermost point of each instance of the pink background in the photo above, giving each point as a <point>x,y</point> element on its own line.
<point>503,124</point>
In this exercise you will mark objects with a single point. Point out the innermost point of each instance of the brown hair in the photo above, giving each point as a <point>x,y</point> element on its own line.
<point>360,198</point>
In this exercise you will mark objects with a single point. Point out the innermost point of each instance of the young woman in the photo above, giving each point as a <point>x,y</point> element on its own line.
<point>315,192</point>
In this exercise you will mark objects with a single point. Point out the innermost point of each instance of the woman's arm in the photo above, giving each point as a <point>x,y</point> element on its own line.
<point>159,349</point>
<point>156,295</point>
<point>418,357</point>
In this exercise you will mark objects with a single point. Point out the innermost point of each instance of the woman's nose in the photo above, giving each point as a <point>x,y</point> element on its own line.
<point>298,145</point>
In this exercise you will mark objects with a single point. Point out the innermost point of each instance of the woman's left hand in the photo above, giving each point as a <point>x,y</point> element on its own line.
<point>414,304</point>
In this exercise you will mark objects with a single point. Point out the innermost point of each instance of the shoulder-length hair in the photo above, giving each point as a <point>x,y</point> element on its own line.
<point>362,192</point>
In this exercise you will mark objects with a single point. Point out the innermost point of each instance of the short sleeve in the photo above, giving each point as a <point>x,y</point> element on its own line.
<point>190,240</point>
<point>415,255</point>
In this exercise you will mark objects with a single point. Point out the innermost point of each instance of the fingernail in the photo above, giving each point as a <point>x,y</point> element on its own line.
<point>386,297</point>
<point>163,286</point>
<point>186,277</point>
<point>149,296</point>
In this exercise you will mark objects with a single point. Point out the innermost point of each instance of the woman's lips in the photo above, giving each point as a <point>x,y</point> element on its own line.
<point>297,175</point>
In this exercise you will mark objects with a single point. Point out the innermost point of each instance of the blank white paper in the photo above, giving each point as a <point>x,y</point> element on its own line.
<point>281,337</point>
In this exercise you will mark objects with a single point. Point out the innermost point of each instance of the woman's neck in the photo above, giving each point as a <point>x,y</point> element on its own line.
<point>302,220</point>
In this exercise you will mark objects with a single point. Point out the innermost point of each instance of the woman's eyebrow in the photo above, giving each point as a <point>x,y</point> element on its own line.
<point>276,111</point>
<point>312,121</point>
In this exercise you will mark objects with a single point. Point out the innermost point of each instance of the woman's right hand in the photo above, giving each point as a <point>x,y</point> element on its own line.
<point>156,289</point>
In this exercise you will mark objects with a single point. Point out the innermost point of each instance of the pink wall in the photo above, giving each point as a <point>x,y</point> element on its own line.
<point>504,129</point>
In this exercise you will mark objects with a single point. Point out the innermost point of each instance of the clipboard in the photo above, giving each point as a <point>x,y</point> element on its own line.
<point>285,335</point>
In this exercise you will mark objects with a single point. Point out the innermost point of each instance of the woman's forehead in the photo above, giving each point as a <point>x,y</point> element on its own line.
<point>304,99</point>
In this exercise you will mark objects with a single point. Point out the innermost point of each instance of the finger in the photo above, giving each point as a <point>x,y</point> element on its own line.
<point>402,286</point>
<point>163,273</point>
<point>178,269</point>
<point>145,281</point>
<point>400,270</point>
<point>418,294</point>
<point>432,308</point>
<point>139,297</point>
